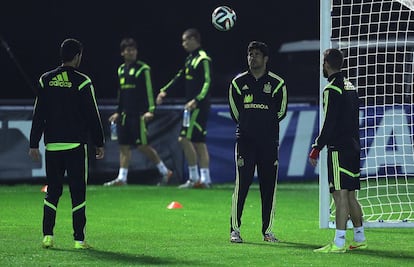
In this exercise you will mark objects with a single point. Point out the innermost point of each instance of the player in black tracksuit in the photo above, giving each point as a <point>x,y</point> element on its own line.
<point>340,134</point>
<point>66,114</point>
<point>258,101</point>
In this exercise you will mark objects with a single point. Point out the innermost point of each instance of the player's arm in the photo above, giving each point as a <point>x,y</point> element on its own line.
<point>149,115</point>
<point>206,71</point>
<point>163,91</point>
<point>331,110</point>
<point>38,121</point>
<point>235,102</point>
<point>38,124</point>
<point>91,111</point>
<point>280,94</point>
<point>119,97</point>
<point>179,76</point>
<point>114,117</point>
<point>331,107</point>
<point>150,92</point>
<point>206,83</point>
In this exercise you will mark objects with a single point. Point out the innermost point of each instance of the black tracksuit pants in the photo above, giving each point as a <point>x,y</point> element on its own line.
<point>75,163</point>
<point>262,154</point>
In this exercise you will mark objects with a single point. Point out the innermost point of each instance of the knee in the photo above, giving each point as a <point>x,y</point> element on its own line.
<point>53,195</point>
<point>182,140</point>
<point>341,202</point>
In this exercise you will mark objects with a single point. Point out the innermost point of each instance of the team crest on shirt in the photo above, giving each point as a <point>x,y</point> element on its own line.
<point>248,98</point>
<point>267,88</point>
<point>245,87</point>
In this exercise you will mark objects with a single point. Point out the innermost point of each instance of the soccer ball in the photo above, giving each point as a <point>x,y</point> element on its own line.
<point>223,18</point>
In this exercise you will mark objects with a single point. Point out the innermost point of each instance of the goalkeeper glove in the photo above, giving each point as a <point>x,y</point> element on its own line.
<point>314,154</point>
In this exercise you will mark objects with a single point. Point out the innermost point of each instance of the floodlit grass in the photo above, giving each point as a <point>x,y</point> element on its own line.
<point>131,226</point>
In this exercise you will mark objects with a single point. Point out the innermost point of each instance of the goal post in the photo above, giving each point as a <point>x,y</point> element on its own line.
<point>377,39</point>
<point>325,43</point>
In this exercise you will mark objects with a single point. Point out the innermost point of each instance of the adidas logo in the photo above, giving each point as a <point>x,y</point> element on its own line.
<point>245,87</point>
<point>60,80</point>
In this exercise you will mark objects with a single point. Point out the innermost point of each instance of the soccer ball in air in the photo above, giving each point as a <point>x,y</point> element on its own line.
<point>223,18</point>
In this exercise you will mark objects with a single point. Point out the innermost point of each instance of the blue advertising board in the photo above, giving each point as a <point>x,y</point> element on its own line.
<point>386,144</point>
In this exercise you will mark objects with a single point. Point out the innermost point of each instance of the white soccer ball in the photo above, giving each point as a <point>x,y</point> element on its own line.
<point>223,18</point>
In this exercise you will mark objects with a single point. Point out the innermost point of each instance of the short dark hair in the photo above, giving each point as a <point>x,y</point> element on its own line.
<point>193,32</point>
<point>334,58</point>
<point>127,42</point>
<point>69,49</point>
<point>262,47</point>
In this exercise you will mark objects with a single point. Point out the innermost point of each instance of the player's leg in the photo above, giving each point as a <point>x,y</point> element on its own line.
<point>204,163</point>
<point>350,165</point>
<point>77,170</point>
<point>355,210</point>
<point>341,204</point>
<point>245,159</point>
<point>190,154</point>
<point>199,118</point>
<point>55,171</point>
<point>151,153</point>
<point>153,156</point>
<point>267,170</point>
<point>189,151</point>
<point>126,138</point>
<point>359,241</point>
<point>341,215</point>
<point>124,158</point>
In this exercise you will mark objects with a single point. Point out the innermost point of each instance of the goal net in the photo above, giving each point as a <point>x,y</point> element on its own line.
<point>377,39</point>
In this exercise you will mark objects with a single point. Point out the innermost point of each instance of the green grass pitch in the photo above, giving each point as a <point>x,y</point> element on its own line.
<point>131,226</point>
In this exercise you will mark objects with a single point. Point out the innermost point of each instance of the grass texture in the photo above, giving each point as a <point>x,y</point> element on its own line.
<point>131,226</point>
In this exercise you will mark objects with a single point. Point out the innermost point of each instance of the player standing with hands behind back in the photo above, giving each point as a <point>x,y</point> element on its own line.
<point>340,134</point>
<point>258,101</point>
<point>66,114</point>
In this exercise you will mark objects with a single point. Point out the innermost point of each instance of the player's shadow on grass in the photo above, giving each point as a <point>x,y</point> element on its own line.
<point>367,251</point>
<point>283,243</point>
<point>385,254</point>
<point>128,258</point>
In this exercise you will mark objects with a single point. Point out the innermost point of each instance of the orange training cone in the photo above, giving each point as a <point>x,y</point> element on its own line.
<point>44,189</point>
<point>174,205</point>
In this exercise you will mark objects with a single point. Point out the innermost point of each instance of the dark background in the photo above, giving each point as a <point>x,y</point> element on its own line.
<point>34,31</point>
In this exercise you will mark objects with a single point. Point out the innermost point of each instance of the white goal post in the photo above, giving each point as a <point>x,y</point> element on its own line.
<point>377,39</point>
